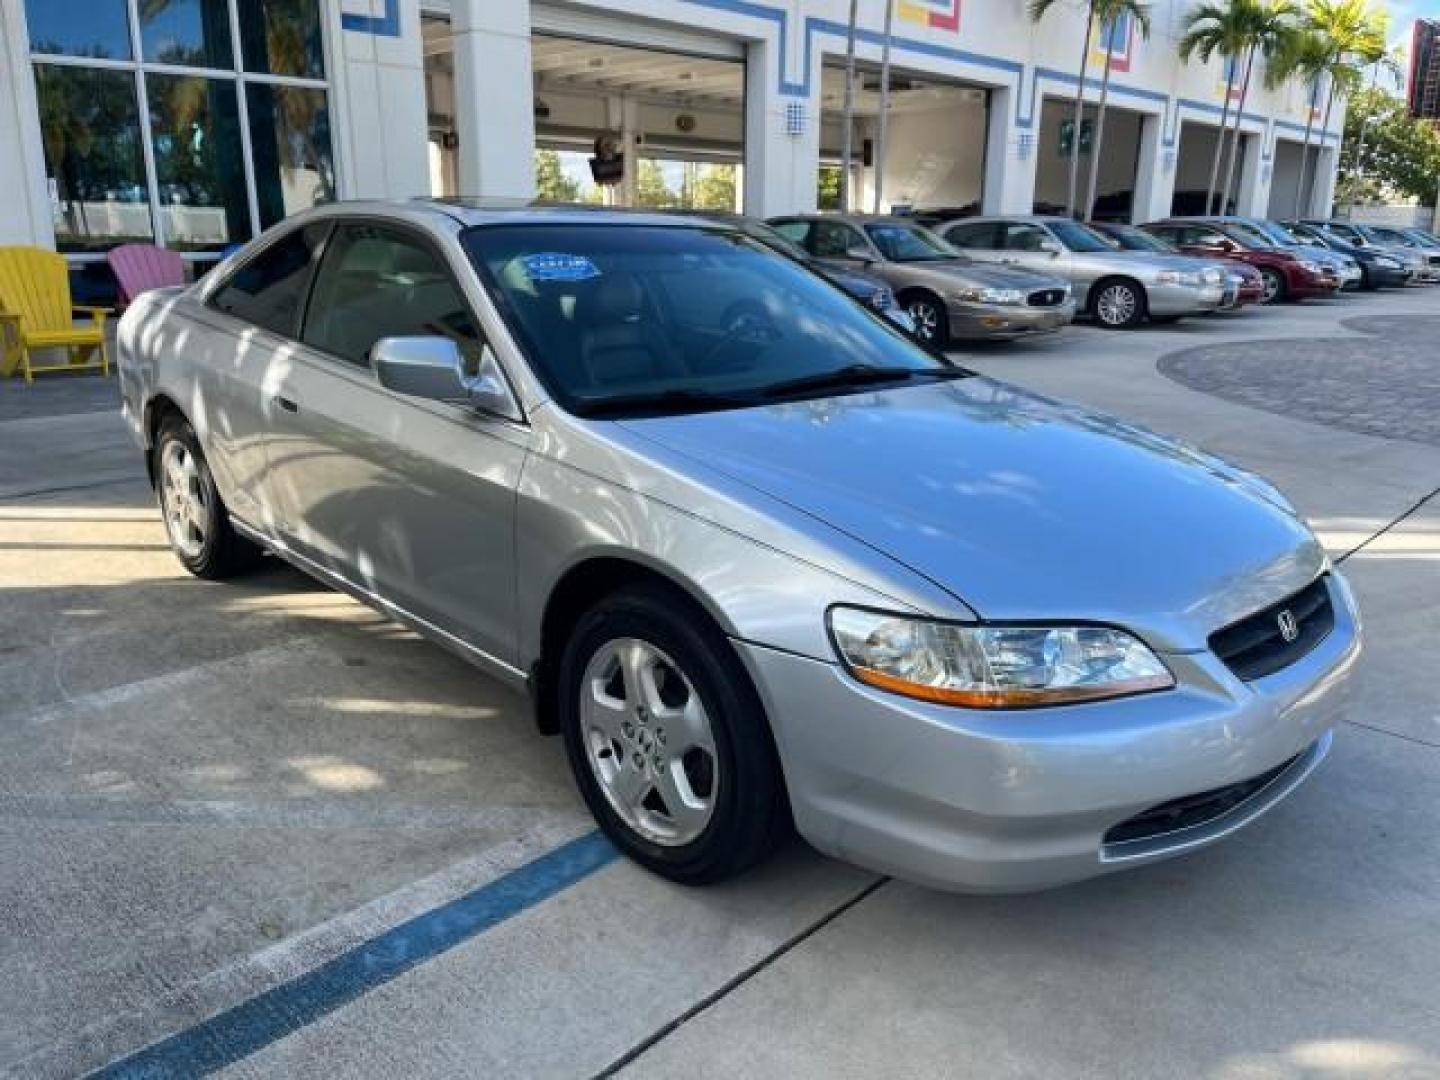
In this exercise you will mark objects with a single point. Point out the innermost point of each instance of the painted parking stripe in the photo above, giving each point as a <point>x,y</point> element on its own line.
<point>255,1024</point>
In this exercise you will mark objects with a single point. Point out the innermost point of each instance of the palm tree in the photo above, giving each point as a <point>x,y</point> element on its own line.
<point>1305,57</point>
<point>1223,30</point>
<point>1109,13</point>
<point>1350,34</point>
<point>1272,26</point>
<point>1389,62</point>
<point>1037,9</point>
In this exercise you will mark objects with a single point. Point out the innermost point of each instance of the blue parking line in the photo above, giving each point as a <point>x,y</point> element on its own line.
<point>285,1009</point>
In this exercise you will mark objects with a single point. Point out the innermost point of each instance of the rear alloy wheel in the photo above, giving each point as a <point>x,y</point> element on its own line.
<point>667,738</point>
<point>932,325</point>
<point>1274,285</point>
<point>196,521</point>
<point>1119,305</point>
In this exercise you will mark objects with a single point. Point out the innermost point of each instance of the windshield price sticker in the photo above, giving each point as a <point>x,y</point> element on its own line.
<point>554,266</point>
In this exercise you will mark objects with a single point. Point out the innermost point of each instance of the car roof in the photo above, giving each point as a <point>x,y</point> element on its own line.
<point>477,212</point>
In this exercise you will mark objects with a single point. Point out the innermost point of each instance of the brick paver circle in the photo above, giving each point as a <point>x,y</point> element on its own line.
<point>1386,383</point>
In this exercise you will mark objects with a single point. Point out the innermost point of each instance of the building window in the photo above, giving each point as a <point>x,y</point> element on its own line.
<point>193,124</point>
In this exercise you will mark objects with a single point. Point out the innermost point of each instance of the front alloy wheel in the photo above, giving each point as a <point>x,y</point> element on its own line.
<point>648,742</point>
<point>931,324</point>
<point>667,738</point>
<point>1118,305</point>
<point>1274,285</point>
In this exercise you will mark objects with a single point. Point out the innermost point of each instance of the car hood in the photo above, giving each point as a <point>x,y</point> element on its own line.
<point>1021,507</point>
<point>986,275</point>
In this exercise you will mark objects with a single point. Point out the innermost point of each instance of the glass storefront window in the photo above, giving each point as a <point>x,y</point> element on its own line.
<point>189,188</point>
<point>94,28</point>
<point>290,143</point>
<point>282,37</point>
<point>190,32</point>
<point>199,171</point>
<point>94,164</point>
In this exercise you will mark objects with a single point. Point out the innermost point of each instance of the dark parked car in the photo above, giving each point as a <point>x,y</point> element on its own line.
<point>1378,269</point>
<point>1287,276</point>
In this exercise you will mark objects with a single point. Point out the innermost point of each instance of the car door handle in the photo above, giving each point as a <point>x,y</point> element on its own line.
<point>286,403</point>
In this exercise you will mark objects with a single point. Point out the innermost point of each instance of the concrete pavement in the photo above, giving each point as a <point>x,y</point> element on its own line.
<point>209,791</point>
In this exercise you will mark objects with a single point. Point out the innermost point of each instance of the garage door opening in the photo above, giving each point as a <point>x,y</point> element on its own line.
<point>1119,159</point>
<point>1192,169</point>
<point>1285,179</point>
<point>675,120</point>
<point>935,153</point>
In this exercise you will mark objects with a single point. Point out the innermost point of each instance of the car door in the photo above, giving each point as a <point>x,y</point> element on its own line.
<point>1028,245</point>
<point>251,322</point>
<point>978,239</point>
<point>835,243</point>
<point>411,500</point>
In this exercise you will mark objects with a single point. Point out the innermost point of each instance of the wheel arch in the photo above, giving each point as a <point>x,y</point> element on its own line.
<point>157,410</point>
<point>584,584</point>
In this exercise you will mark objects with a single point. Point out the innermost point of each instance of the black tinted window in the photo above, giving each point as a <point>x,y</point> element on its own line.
<point>270,290</point>
<point>833,239</point>
<point>980,235</point>
<point>377,282</point>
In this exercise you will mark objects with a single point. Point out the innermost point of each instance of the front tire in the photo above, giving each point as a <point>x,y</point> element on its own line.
<point>1118,305</point>
<point>667,738</point>
<point>1275,288</point>
<point>932,321</point>
<point>196,520</point>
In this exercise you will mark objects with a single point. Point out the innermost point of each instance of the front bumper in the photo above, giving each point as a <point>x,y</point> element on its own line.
<point>1171,300</point>
<point>979,321</point>
<point>1390,277</point>
<point>982,801</point>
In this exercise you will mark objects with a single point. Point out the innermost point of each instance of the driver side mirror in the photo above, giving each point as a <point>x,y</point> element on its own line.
<point>1050,247</point>
<point>859,253</point>
<point>432,368</point>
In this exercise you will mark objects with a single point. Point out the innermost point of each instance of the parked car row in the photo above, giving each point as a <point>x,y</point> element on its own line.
<point>758,558</point>
<point>1010,276</point>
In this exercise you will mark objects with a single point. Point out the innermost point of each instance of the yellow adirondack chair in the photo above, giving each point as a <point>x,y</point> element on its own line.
<point>36,313</point>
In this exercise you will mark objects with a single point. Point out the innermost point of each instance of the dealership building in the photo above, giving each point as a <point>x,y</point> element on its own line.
<point>194,124</point>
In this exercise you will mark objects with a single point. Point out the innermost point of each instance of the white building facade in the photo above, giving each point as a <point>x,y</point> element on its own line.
<point>195,124</point>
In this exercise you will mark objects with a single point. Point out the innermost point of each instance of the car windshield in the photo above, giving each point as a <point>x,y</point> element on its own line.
<point>1388,236</point>
<point>1079,237</point>
<point>1132,239</point>
<point>1276,233</point>
<point>909,243</point>
<point>1248,235</point>
<point>638,320</point>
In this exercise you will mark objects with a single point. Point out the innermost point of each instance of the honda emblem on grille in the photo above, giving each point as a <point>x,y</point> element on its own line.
<point>1289,628</point>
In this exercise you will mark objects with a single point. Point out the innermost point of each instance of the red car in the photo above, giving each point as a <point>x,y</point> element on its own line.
<point>1285,276</point>
<point>1252,285</point>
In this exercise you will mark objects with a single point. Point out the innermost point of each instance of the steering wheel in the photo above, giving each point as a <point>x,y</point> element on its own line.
<point>744,322</point>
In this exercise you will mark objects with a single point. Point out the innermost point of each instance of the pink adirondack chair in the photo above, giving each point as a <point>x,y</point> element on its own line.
<point>139,267</point>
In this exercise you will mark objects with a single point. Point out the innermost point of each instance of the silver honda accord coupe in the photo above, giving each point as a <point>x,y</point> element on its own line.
<point>784,568</point>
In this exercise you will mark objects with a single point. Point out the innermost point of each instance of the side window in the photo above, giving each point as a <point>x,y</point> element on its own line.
<point>978,235</point>
<point>799,231</point>
<point>376,282</point>
<point>270,290</point>
<point>1204,237</point>
<point>1020,236</point>
<point>832,239</point>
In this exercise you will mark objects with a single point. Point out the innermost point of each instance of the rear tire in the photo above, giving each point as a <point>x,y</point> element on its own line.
<point>668,740</point>
<point>197,522</point>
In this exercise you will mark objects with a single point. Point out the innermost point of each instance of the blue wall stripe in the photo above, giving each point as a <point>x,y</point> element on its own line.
<point>387,25</point>
<point>268,1017</point>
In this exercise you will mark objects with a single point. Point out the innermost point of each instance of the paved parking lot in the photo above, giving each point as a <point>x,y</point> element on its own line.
<point>256,828</point>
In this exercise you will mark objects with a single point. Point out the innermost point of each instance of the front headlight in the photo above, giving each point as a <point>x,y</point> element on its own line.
<point>993,667</point>
<point>1387,263</point>
<point>992,296</point>
<point>1177,277</point>
<point>1213,275</point>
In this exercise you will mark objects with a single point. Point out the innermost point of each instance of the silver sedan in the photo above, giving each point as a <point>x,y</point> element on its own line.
<point>1117,288</point>
<point>783,568</point>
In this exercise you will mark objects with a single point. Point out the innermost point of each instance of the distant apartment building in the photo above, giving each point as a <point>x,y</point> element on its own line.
<point>1424,94</point>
